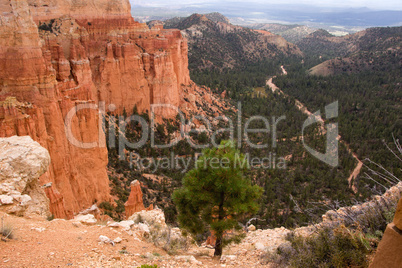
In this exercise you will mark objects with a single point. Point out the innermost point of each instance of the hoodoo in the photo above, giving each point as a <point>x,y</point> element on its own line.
<point>56,56</point>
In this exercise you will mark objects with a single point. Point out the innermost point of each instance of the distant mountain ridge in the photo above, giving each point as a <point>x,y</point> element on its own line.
<point>214,42</point>
<point>368,49</point>
<point>292,33</point>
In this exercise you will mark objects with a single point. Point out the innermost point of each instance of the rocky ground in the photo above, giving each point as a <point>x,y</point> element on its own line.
<point>38,242</point>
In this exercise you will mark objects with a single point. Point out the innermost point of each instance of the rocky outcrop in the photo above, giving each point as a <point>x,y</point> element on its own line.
<point>62,56</point>
<point>36,105</point>
<point>135,203</point>
<point>22,162</point>
<point>151,217</point>
<point>357,214</point>
<point>99,46</point>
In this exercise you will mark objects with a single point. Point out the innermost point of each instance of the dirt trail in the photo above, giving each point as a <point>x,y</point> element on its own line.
<point>60,243</point>
<point>304,110</point>
<point>273,87</point>
<point>356,171</point>
<point>283,70</point>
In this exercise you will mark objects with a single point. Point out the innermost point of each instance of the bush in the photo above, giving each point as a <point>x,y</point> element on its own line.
<point>106,206</point>
<point>339,247</point>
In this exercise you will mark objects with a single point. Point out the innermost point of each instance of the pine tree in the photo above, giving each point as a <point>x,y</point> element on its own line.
<point>215,194</point>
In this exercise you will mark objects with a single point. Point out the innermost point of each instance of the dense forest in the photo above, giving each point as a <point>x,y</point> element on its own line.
<point>369,117</point>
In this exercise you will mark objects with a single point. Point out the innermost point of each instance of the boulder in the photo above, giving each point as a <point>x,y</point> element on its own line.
<point>117,240</point>
<point>88,219</point>
<point>22,162</point>
<point>105,240</point>
<point>251,228</point>
<point>151,217</point>
<point>6,199</point>
<point>126,225</point>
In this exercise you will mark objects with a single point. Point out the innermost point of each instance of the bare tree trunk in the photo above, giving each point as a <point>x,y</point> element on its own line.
<point>219,234</point>
<point>218,245</point>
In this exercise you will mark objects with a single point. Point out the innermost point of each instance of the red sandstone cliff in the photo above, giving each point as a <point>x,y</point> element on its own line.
<point>57,55</point>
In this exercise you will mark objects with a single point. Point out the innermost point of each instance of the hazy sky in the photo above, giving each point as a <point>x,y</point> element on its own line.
<point>372,4</point>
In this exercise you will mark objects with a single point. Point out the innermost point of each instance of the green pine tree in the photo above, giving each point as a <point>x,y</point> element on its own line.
<point>215,194</point>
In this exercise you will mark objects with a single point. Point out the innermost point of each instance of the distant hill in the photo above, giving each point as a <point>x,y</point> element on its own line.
<point>214,42</point>
<point>369,49</point>
<point>324,44</point>
<point>217,17</point>
<point>292,33</point>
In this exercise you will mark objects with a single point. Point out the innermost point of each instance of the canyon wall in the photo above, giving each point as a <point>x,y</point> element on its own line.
<point>68,55</point>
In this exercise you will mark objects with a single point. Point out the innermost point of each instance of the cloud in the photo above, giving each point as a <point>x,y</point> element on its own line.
<point>372,4</point>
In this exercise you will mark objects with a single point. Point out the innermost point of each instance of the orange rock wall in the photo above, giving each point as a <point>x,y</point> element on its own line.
<point>94,52</point>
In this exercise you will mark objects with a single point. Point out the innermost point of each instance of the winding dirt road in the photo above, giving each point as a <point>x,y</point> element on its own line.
<point>304,110</point>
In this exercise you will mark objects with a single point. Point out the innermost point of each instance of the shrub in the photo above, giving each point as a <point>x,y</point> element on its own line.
<point>106,206</point>
<point>339,247</point>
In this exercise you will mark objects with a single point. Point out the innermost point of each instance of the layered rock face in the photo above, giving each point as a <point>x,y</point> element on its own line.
<point>22,162</point>
<point>63,57</point>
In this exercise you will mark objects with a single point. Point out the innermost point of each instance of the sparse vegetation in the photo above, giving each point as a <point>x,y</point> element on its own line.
<point>7,230</point>
<point>344,241</point>
<point>339,247</point>
<point>171,242</point>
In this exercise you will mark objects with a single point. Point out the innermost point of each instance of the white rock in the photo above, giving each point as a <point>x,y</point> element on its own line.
<point>251,228</point>
<point>77,224</point>
<point>259,246</point>
<point>93,208</point>
<point>117,240</point>
<point>151,217</point>
<point>143,227</point>
<point>126,225</point>
<point>88,219</point>
<point>226,258</point>
<point>39,229</point>
<point>6,200</point>
<point>22,162</point>
<point>105,240</point>
<point>24,199</point>
<point>188,258</point>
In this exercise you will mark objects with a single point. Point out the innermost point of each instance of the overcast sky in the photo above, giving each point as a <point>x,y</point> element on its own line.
<point>372,4</point>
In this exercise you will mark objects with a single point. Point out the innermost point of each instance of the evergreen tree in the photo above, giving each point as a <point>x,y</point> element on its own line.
<point>215,194</point>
